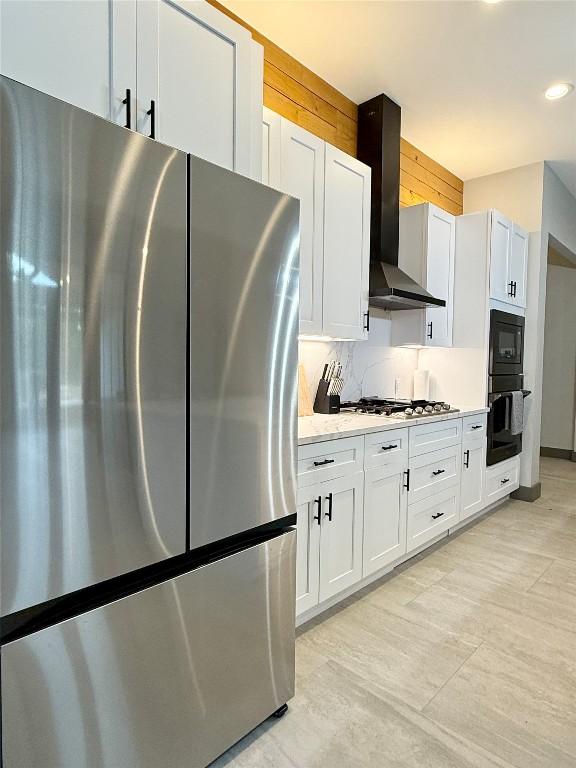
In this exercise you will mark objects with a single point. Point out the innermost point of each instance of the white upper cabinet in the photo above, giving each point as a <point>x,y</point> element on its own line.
<point>346,245</point>
<point>194,81</point>
<point>302,175</point>
<point>508,261</point>
<point>334,193</point>
<point>81,52</point>
<point>427,254</point>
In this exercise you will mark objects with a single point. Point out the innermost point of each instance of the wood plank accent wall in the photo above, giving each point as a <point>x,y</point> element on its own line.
<point>295,92</point>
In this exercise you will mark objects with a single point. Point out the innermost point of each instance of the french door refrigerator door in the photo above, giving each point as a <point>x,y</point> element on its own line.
<point>92,349</point>
<point>244,261</point>
<point>171,676</point>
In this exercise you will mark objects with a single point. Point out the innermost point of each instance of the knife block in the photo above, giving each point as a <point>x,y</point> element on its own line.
<point>325,403</point>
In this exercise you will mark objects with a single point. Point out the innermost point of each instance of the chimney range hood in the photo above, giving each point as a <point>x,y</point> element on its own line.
<point>379,147</point>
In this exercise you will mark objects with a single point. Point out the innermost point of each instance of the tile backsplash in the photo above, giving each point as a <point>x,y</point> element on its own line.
<point>370,367</point>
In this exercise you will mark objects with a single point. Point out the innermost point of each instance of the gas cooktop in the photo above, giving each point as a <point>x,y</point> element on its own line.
<point>408,409</point>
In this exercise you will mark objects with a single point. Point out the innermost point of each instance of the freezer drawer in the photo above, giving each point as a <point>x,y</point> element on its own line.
<point>92,349</point>
<point>171,676</point>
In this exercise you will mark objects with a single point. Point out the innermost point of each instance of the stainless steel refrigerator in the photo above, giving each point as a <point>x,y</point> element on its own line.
<point>148,348</point>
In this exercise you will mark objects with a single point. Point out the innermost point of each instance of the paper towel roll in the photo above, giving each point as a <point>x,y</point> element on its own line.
<point>421,385</point>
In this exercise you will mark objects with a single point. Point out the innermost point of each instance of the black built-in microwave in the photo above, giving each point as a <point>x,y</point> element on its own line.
<point>506,344</point>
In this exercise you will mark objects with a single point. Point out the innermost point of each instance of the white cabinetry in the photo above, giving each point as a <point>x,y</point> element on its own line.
<point>334,193</point>
<point>81,52</point>
<point>508,261</point>
<point>194,80</point>
<point>308,547</point>
<point>501,480</point>
<point>178,70</point>
<point>385,503</point>
<point>426,254</point>
<point>346,245</point>
<point>473,465</point>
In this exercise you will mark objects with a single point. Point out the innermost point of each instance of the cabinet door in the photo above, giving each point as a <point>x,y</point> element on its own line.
<point>341,539</point>
<point>346,245</point>
<point>473,466</point>
<point>385,501</point>
<point>271,126</point>
<point>81,52</point>
<point>440,247</point>
<point>308,548</point>
<point>500,237</point>
<point>302,176</point>
<point>518,265</point>
<point>195,64</point>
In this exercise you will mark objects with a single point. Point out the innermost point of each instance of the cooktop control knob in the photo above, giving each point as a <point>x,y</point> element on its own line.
<point>429,409</point>
<point>409,411</point>
<point>438,407</point>
<point>418,410</point>
<point>446,406</point>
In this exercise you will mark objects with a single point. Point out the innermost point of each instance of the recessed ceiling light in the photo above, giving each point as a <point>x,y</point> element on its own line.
<point>558,91</point>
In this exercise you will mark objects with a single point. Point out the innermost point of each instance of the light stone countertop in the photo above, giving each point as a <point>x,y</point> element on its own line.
<point>321,426</point>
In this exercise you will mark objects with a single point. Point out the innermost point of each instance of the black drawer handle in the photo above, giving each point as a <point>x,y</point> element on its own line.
<point>436,516</point>
<point>388,447</point>
<point>319,502</point>
<point>329,513</point>
<point>477,426</point>
<point>366,326</point>
<point>324,462</point>
<point>439,472</point>
<point>506,480</point>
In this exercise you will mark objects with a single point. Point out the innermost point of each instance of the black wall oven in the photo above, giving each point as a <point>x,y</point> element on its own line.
<point>505,376</point>
<point>506,344</point>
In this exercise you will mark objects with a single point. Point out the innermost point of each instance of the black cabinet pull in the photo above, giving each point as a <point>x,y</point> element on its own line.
<point>367,321</point>
<point>477,426</point>
<point>466,459</point>
<point>407,479</point>
<point>329,513</point>
<point>323,462</point>
<point>511,288</point>
<point>319,502</point>
<point>439,472</point>
<point>515,286</point>
<point>429,334</point>
<point>388,447</point>
<point>152,113</point>
<point>128,102</point>
<point>439,514</point>
<point>506,480</point>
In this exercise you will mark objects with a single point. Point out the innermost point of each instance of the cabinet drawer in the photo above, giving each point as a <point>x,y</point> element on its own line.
<point>432,472</point>
<point>502,479</point>
<point>382,449</point>
<point>474,427</point>
<point>431,437</point>
<point>334,458</point>
<point>432,516</point>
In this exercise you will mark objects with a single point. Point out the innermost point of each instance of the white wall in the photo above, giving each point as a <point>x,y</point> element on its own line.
<point>559,369</point>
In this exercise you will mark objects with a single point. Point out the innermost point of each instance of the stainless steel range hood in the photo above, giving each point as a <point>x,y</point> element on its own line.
<point>379,147</point>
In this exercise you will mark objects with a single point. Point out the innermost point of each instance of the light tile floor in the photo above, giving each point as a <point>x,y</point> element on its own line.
<point>466,657</point>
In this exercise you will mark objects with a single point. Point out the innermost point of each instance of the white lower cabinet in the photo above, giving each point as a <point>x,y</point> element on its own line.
<point>432,472</point>
<point>501,480</point>
<point>385,504</point>
<point>432,516</point>
<point>473,469</point>
<point>329,557</point>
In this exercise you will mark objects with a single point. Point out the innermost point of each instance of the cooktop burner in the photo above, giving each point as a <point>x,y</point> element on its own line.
<point>406,408</point>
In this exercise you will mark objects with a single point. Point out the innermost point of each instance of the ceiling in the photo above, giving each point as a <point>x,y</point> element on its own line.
<point>469,75</point>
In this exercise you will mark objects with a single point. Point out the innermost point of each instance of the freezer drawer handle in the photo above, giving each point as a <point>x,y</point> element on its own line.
<point>128,102</point>
<point>438,471</point>
<point>329,513</point>
<point>436,516</point>
<point>323,463</point>
<point>506,480</point>
<point>388,447</point>
<point>466,459</point>
<point>152,113</point>
<point>318,516</point>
